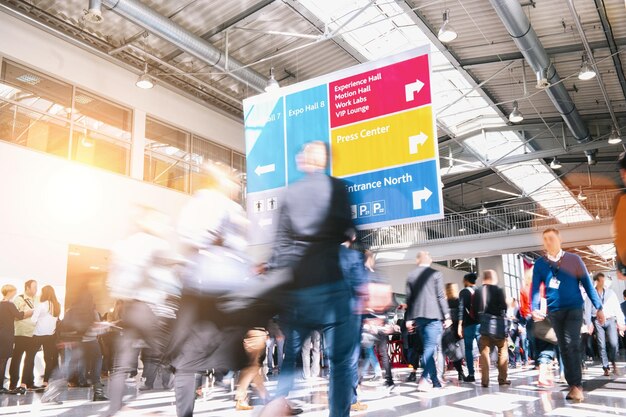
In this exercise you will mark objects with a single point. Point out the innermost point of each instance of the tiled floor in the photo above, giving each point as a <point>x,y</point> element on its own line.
<point>605,396</point>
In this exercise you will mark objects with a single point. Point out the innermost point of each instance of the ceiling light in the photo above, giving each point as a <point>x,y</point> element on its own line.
<point>586,71</point>
<point>272,84</point>
<point>446,32</point>
<point>483,209</point>
<point>516,116</point>
<point>27,78</point>
<point>505,192</point>
<point>581,196</point>
<point>145,81</point>
<point>615,138</point>
<point>94,268</point>
<point>555,164</point>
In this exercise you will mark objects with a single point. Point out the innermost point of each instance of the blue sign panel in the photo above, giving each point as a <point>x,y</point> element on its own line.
<point>306,115</point>
<point>265,144</point>
<point>390,195</point>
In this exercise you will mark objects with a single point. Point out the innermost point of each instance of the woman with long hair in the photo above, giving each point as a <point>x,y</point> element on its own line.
<point>45,316</point>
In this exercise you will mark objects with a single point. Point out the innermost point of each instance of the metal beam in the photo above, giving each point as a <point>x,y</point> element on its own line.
<point>473,177</point>
<point>608,32</point>
<point>553,51</point>
<point>255,8</point>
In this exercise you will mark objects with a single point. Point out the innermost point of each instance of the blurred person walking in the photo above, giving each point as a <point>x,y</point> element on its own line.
<point>491,307</point>
<point>428,313</point>
<point>311,355</point>
<point>275,340</point>
<point>562,273</point>
<point>254,345</point>
<point>315,220</point>
<point>468,327</point>
<point>46,316</point>
<point>8,315</point>
<point>451,342</point>
<point>24,343</point>
<point>607,333</point>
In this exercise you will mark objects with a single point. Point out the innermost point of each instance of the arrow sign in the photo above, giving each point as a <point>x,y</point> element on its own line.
<point>412,88</point>
<point>416,140</point>
<point>264,169</point>
<point>419,196</point>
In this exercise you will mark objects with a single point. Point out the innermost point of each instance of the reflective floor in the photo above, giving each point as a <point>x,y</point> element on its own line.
<point>605,396</point>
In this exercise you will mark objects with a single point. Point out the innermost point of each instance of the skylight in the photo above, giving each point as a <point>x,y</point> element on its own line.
<point>384,29</point>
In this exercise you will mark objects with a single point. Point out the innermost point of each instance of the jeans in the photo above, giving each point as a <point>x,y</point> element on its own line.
<point>607,340</point>
<point>545,352</point>
<point>369,358</point>
<point>567,324</point>
<point>311,354</point>
<point>431,331</point>
<point>325,307</point>
<point>470,333</point>
<point>280,345</point>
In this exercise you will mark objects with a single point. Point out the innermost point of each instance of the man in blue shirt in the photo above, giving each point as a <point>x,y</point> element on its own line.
<point>562,273</point>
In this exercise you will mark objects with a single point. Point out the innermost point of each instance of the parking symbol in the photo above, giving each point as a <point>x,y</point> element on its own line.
<point>378,208</point>
<point>365,210</point>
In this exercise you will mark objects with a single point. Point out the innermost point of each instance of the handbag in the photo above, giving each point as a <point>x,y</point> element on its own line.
<point>451,345</point>
<point>543,330</point>
<point>496,327</point>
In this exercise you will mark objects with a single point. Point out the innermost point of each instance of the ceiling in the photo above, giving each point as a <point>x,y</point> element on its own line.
<point>484,54</point>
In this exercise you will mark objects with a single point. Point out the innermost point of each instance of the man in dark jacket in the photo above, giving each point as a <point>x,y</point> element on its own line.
<point>490,299</point>
<point>469,328</point>
<point>427,307</point>
<point>314,222</point>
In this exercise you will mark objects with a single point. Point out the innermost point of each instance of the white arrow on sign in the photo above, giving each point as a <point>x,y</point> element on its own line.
<point>416,140</point>
<point>412,88</point>
<point>265,222</point>
<point>419,196</point>
<point>264,169</point>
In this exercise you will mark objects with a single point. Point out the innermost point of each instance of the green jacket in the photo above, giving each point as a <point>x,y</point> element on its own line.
<point>25,327</point>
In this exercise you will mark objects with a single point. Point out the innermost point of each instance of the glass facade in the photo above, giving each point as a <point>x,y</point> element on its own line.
<point>513,273</point>
<point>43,113</point>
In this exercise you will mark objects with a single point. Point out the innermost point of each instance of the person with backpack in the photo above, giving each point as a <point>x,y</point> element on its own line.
<point>469,327</point>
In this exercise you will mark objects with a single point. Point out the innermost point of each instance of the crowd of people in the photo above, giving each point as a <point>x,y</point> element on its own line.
<point>190,305</point>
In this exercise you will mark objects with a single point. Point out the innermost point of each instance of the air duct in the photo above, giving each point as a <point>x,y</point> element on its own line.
<point>524,36</point>
<point>93,14</point>
<point>142,15</point>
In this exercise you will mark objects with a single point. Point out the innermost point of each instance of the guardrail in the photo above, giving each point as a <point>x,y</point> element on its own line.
<point>598,207</point>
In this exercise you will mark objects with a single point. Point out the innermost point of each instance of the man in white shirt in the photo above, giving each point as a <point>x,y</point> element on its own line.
<point>614,319</point>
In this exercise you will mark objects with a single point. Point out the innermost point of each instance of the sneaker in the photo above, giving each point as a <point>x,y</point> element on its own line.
<point>390,384</point>
<point>412,377</point>
<point>358,406</point>
<point>3,391</point>
<point>17,391</point>
<point>506,382</point>
<point>606,372</point>
<point>469,378</point>
<point>146,388</point>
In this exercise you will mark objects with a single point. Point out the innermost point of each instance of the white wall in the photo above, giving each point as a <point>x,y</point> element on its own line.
<point>49,203</point>
<point>35,48</point>
<point>397,274</point>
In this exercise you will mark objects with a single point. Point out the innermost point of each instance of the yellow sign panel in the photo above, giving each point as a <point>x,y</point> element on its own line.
<point>388,141</point>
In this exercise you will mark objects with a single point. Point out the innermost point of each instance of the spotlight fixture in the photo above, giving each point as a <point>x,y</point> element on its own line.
<point>586,71</point>
<point>145,81</point>
<point>614,138</point>
<point>483,209</point>
<point>555,164</point>
<point>516,116</point>
<point>272,84</point>
<point>446,32</point>
<point>581,196</point>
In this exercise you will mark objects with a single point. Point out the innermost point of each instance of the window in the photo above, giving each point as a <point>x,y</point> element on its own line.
<point>203,151</point>
<point>102,133</point>
<point>513,273</point>
<point>34,109</point>
<point>166,156</point>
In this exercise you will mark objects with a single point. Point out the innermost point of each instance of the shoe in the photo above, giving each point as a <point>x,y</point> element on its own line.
<point>412,377</point>
<point>484,385</point>
<point>606,372</point>
<point>98,393</point>
<point>270,373</point>
<point>575,395</point>
<point>17,391</point>
<point>376,378</point>
<point>615,370</point>
<point>469,378</point>
<point>242,405</point>
<point>294,411</point>
<point>3,391</point>
<point>390,385</point>
<point>146,388</point>
<point>35,388</point>
<point>358,406</point>
<point>461,377</point>
<point>507,382</point>
<point>424,386</point>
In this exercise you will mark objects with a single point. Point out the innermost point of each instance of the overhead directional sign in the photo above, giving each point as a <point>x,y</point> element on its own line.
<point>378,121</point>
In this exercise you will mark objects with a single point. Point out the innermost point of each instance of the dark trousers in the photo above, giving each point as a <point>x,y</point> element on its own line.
<point>23,346</point>
<point>3,370</point>
<point>382,346</point>
<point>567,324</point>
<point>607,341</point>
<point>325,307</point>
<point>50,353</point>
<point>152,356</point>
